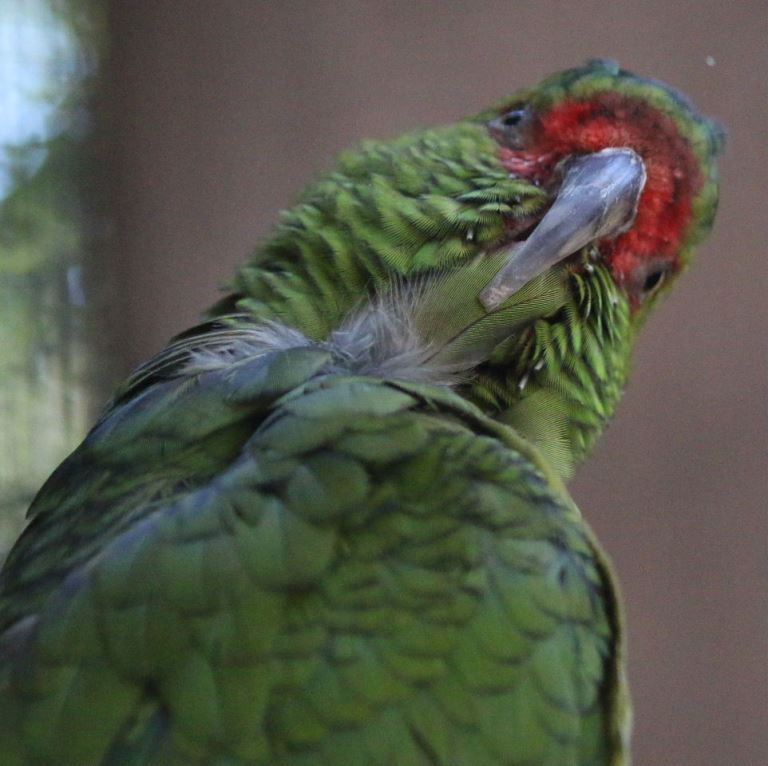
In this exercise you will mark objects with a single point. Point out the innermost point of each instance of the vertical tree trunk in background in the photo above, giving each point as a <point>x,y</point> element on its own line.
<point>52,239</point>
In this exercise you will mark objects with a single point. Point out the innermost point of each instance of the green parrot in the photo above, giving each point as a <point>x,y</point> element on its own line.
<point>329,525</point>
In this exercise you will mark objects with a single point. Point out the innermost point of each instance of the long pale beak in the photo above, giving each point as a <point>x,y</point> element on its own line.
<point>597,198</point>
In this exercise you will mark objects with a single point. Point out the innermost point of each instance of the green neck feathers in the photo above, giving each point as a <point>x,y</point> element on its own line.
<point>428,200</point>
<point>423,220</point>
<point>427,211</point>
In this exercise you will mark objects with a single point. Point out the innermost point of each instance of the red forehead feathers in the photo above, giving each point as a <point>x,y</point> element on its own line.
<point>614,119</point>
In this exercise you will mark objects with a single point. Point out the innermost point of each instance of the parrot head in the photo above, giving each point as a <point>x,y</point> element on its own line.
<point>531,239</point>
<point>632,165</point>
<point>630,171</point>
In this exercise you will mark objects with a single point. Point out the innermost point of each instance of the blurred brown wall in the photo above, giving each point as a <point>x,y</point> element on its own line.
<point>224,110</point>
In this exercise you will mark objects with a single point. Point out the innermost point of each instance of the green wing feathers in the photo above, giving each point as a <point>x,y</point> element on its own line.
<point>365,571</point>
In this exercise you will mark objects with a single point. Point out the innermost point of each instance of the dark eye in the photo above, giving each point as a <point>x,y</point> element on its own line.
<point>653,281</point>
<point>508,127</point>
<point>513,118</point>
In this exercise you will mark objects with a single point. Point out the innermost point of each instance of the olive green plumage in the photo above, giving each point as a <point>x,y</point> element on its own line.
<point>377,573</point>
<point>329,525</point>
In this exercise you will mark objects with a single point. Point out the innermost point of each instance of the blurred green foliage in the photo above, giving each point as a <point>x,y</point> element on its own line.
<point>51,229</point>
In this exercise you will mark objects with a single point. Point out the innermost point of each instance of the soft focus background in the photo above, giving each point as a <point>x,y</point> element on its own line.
<point>217,115</point>
<point>54,239</point>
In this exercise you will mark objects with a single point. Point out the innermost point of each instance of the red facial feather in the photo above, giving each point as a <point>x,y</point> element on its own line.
<point>613,120</point>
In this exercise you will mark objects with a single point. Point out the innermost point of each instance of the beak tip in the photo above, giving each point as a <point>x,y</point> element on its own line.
<point>488,297</point>
<point>496,293</point>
